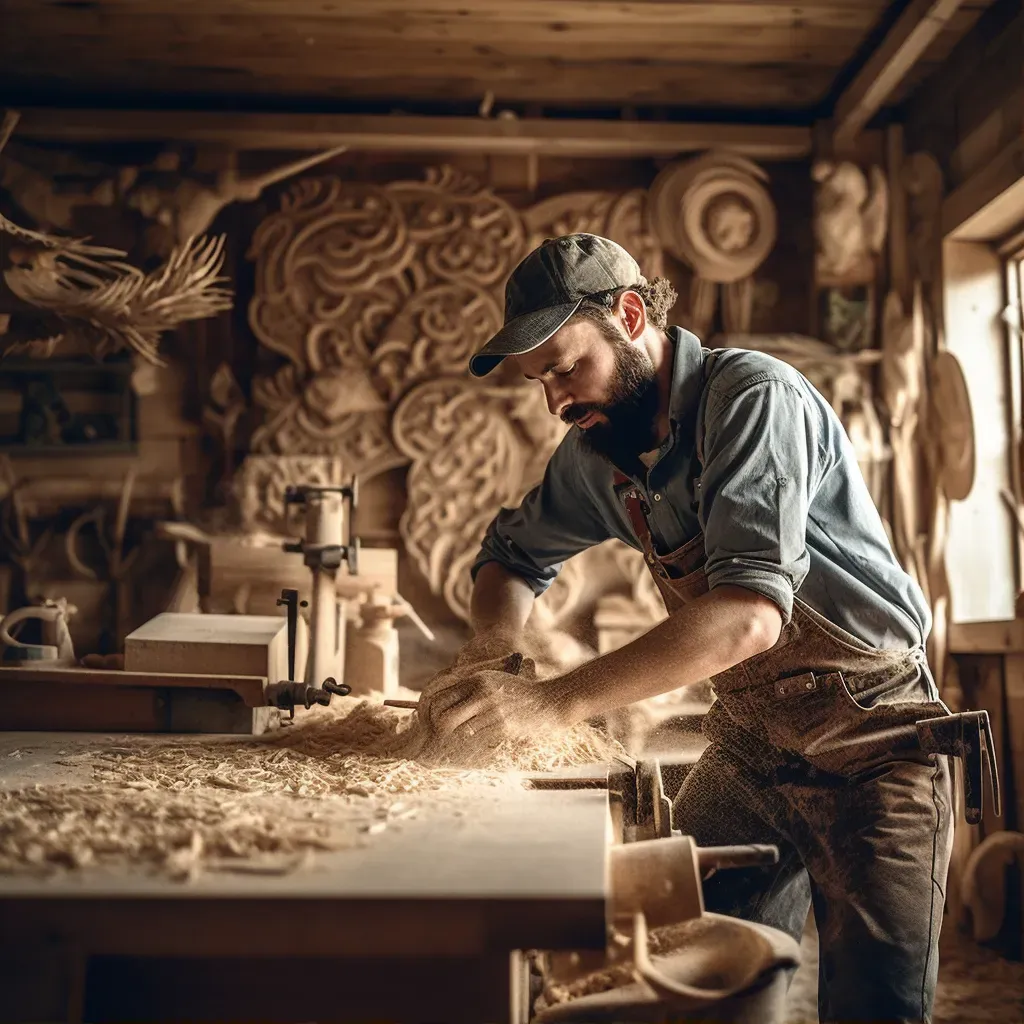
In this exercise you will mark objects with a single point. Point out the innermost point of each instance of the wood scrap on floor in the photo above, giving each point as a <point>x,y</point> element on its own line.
<point>336,778</point>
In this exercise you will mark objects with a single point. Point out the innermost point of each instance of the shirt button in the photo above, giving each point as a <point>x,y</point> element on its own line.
<point>657,497</point>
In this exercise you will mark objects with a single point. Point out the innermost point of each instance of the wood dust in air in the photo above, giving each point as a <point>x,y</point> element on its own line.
<point>334,779</point>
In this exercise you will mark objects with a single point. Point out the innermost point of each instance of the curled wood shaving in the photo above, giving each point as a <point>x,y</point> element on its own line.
<point>341,775</point>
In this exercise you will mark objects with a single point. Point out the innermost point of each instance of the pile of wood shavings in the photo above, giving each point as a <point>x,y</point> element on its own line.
<point>371,729</point>
<point>660,942</point>
<point>339,776</point>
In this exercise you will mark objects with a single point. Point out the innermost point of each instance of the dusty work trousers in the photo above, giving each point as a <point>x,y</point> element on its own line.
<point>799,756</point>
<point>869,848</point>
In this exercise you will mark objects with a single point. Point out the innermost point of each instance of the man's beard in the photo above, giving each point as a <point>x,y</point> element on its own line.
<point>631,408</point>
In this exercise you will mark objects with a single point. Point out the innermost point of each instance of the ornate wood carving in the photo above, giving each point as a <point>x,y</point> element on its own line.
<point>376,295</point>
<point>715,214</point>
<point>473,449</point>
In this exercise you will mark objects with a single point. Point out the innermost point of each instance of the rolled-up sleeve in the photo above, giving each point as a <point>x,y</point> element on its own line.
<point>556,520</point>
<point>761,467</point>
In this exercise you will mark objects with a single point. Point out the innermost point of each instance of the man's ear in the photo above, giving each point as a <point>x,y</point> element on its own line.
<point>632,311</point>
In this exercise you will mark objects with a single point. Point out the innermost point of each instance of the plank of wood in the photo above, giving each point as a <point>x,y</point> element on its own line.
<point>250,688</point>
<point>418,39</point>
<point>103,707</point>
<point>563,137</point>
<point>999,637</point>
<point>638,81</point>
<point>906,42</point>
<point>1015,770</point>
<point>948,104</point>
<point>988,204</point>
<point>853,14</point>
<point>1014,669</point>
<point>899,258</point>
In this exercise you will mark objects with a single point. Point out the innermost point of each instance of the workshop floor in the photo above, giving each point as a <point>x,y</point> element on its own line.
<point>976,986</point>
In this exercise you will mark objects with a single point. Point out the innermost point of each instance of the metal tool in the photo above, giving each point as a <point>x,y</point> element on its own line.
<point>967,736</point>
<point>290,693</point>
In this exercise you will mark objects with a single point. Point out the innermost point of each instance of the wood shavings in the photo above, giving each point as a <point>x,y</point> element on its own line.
<point>340,775</point>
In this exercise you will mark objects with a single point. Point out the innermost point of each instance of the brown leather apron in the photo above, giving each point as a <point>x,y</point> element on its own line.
<point>819,694</point>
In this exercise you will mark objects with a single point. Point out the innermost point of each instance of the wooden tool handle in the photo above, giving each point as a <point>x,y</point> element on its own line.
<point>513,665</point>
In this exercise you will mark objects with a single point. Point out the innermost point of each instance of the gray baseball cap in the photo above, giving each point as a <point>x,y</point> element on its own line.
<point>548,287</point>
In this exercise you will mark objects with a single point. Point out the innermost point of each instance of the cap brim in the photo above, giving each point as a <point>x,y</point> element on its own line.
<point>521,335</point>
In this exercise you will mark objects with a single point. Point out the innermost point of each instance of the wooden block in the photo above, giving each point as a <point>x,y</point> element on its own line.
<point>238,645</point>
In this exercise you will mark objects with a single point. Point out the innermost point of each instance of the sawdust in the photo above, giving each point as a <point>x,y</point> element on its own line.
<point>338,777</point>
<point>660,942</point>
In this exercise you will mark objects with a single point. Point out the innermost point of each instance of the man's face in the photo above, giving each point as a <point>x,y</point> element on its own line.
<point>595,377</point>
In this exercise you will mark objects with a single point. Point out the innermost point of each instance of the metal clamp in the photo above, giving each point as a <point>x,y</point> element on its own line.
<point>290,693</point>
<point>968,736</point>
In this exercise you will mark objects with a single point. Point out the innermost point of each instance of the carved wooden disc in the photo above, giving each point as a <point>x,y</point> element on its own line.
<point>715,214</point>
<point>951,407</point>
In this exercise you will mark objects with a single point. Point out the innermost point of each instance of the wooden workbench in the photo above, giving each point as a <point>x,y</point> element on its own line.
<point>419,924</point>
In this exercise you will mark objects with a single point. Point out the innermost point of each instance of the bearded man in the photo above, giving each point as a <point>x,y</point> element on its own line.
<point>739,484</point>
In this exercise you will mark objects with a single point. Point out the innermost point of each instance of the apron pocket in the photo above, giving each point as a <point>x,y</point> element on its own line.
<point>815,718</point>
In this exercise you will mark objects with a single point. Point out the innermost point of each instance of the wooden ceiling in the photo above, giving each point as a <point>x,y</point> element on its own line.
<point>721,54</point>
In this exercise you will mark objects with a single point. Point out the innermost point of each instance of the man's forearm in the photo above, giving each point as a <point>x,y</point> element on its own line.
<point>698,641</point>
<point>501,603</point>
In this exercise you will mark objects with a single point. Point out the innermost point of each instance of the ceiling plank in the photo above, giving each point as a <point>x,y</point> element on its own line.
<point>387,79</point>
<point>340,50</point>
<point>906,42</point>
<point>550,137</point>
<point>849,14</point>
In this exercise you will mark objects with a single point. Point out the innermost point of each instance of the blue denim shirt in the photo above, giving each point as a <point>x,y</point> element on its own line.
<point>776,491</point>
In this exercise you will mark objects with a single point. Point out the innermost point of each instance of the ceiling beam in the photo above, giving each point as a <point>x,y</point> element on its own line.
<point>901,48</point>
<point>576,137</point>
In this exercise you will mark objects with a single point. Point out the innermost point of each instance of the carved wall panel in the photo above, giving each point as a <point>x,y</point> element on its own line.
<point>376,295</point>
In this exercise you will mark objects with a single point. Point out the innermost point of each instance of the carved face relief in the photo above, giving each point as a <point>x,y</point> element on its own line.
<point>337,392</point>
<point>730,224</point>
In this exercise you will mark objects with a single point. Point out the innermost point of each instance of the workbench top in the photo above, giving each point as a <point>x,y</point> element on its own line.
<point>517,868</point>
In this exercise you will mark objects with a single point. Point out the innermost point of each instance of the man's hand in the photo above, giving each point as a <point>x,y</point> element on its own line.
<point>487,649</point>
<point>487,705</point>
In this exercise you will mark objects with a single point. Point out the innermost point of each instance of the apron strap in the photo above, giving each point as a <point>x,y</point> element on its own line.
<point>636,509</point>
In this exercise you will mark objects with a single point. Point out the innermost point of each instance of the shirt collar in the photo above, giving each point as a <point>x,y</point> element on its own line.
<point>687,375</point>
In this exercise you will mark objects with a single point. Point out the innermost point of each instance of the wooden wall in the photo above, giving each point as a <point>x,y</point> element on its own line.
<point>178,448</point>
<point>970,112</point>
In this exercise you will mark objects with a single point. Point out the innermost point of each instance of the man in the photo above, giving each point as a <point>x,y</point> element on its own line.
<point>738,482</point>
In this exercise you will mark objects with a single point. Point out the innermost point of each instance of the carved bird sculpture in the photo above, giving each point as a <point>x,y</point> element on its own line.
<point>850,221</point>
<point>117,304</point>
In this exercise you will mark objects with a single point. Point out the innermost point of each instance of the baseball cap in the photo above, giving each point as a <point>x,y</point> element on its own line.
<point>547,288</point>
